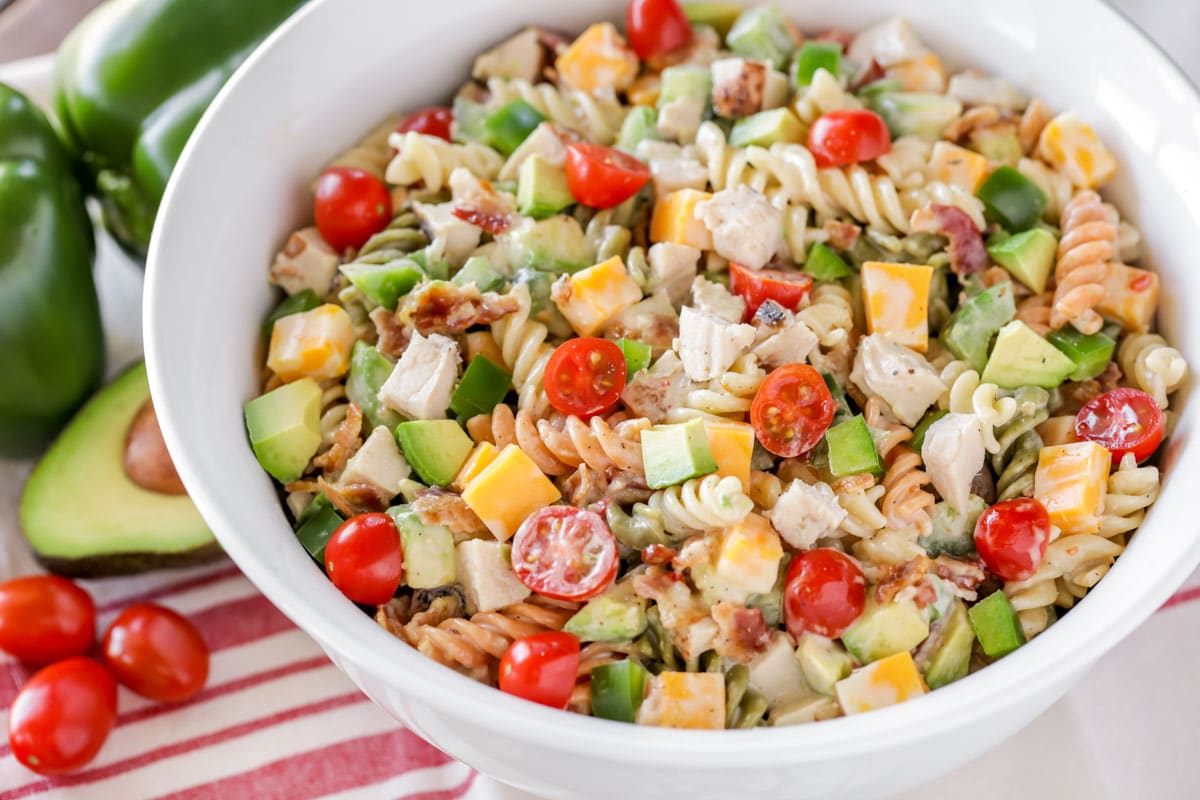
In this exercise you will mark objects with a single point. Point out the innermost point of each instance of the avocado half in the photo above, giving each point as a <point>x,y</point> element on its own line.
<point>85,518</point>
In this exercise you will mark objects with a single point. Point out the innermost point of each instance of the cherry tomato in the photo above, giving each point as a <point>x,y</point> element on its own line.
<point>757,286</point>
<point>364,558</point>
<point>848,136</point>
<point>351,206</point>
<point>541,668</point>
<point>656,26</point>
<point>44,618</point>
<point>156,653</point>
<point>792,410</point>
<point>1124,421</point>
<point>433,121</point>
<point>585,376</point>
<point>602,177</point>
<point>61,717</point>
<point>824,593</point>
<point>1011,537</point>
<point>565,553</point>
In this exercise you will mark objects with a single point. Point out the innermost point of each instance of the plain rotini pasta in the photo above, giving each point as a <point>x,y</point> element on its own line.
<point>597,118</point>
<point>1087,247</point>
<point>908,162</point>
<point>1072,565</point>
<point>370,154</point>
<point>430,160</point>
<point>1152,365</point>
<point>968,395</point>
<point>702,504</point>
<point>1131,490</point>
<point>525,351</point>
<point>859,496</point>
<point>822,95</point>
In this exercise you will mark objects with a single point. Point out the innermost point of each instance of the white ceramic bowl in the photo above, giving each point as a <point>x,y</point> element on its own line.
<point>340,65</point>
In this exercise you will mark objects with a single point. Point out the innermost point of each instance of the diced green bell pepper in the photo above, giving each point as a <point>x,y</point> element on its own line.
<point>851,449</point>
<point>918,437</point>
<point>1090,352</point>
<point>1011,199</point>
<point>637,355</point>
<point>996,625</point>
<point>842,413</point>
<point>509,125</point>
<point>479,271</point>
<point>812,56</point>
<point>617,690</point>
<point>825,265</point>
<point>482,388</point>
<point>386,283</point>
<point>315,524</point>
<point>369,369</point>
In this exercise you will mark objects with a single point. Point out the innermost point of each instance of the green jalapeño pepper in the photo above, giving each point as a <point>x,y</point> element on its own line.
<point>51,342</point>
<point>132,81</point>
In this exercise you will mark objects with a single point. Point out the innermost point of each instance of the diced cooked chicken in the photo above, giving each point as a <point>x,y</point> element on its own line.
<point>673,267</point>
<point>486,574</point>
<point>676,172</point>
<point>777,90</point>
<point>953,452</point>
<point>545,141</point>
<point>423,379</point>
<point>976,89</point>
<point>805,512</point>
<point>776,674</point>
<point>379,463</point>
<point>521,57</point>
<point>713,298</point>
<point>901,378</point>
<point>784,340</point>
<point>655,391</point>
<point>745,227</point>
<point>305,262</point>
<point>890,42</point>
<point>739,86</point>
<point>451,239</point>
<point>679,119</point>
<point>709,344</point>
<point>653,321</point>
<point>742,633</point>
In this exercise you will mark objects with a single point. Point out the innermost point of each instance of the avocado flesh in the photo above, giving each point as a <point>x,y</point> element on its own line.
<point>85,518</point>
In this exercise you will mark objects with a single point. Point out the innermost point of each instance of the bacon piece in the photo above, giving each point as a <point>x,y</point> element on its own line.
<point>960,573</point>
<point>838,36</point>
<point>394,335</point>
<point>346,441</point>
<point>354,498</point>
<point>741,632</point>
<point>442,307</point>
<point>894,578</point>
<point>967,253</point>
<point>439,507</point>
<point>584,486</point>
<point>842,235</point>
<point>658,554</point>
<point>873,72</point>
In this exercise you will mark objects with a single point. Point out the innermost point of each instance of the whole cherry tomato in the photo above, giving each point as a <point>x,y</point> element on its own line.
<point>1012,536</point>
<point>565,553</point>
<point>351,206</point>
<point>1123,420</point>
<point>848,136</point>
<point>364,559</point>
<point>585,376</point>
<point>602,177</point>
<point>62,715</point>
<point>541,668</point>
<point>824,593</point>
<point>434,121</point>
<point>654,27</point>
<point>758,286</point>
<point>44,618</point>
<point>156,653</point>
<point>792,410</point>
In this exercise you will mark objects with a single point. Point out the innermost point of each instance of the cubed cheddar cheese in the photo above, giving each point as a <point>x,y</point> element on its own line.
<point>590,298</point>
<point>749,556</point>
<point>675,220</point>
<point>958,166</point>
<point>312,344</point>
<point>482,343</point>
<point>507,491</point>
<point>645,90</point>
<point>1071,146</point>
<point>1130,297</point>
<point>896,297</point>
<point>481,457</point>
<point>922,74</point>
<point>1070,482</point>
<point>598,59</point>
<point>684,700</point>
<point>732,445</point>
<point>886,682</point>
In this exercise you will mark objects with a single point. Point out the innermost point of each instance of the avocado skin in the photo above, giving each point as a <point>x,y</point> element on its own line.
<point>109,566</point>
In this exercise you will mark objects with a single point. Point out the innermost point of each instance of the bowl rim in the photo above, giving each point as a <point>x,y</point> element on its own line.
<point>355,638</point>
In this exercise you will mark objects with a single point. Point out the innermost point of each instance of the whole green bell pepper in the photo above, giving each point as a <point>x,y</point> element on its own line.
<point>51,341</point>
<point>131,82</point>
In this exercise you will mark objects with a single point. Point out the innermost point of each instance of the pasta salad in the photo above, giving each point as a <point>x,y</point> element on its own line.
<point>711,374</point>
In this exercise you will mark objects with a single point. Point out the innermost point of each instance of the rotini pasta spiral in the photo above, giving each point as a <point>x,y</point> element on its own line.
<point>823,94</point>
<point>597,118</point>
<point>1151,365</point>
<point>596,443</point>
<point>1131,490</point>
<point>503,428</point>
<point>744,707</point>
<point>905,502</point>
<point>732,393</point>
<point>702,504</point>
<point>907,164</point>
<point>430,160</point>
<point>1035,311</point>
<point>969,396</point>
<point>1077,562</point>
<point>765,489</point>
<point>1088,245</point>
<point>525,350</point>
<point>1015,462</point>
<point>370,154</point>
<point>859,496</point>
<point>403,235</point>
<point>830,315</point>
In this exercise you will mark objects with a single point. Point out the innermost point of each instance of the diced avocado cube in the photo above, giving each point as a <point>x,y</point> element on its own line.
<point>953,532</point>
<point>369,370</point>
<point>884,630</point>
<point>918,437</point>
<point>435,448</point>
<point>996,625</point>
<point>479,271</point>
<point>876,88</point>
<point>766,128</point>
<point>1011,199</point>
<point>969,332</point>
<point>673,454</point>
<point>510,125</point>
<point>617,690</point>
<point>386,283</point>
<point>482,387</point>
<point>284,426</point>
<point>556,244</point>
<point>469,117</point>
<point>637,355</point>
<point>684,81</point>
<point>719,16</point>
<point>826,265</point>
<point>639,125</point>
<point>542,189</point>
<point>1090,352</point>
<point>315,524</point>
<point>428,550</point>
<point>823,662</point>
<point>304,300</point>
<point>1022,358</point>
<point>1028,256</point>
<point>763,33</point>
<point>618,615</point>
<point>922,114</point>
<point>951,660</point>
<point>997,144</point>
<point>851,449</point>
<point>812,56</point>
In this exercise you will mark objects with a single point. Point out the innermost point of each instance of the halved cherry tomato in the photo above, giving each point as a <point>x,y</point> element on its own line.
<point>584,376</point>
<point>62,715</point>
<point>364,558</point>
<point>848,136</point>
<point>1123,420</point>
<point>565,553</point>
<point>824,593</point>
<point>44,618</point>
<point>541,667</point>
<point>1011,537</point>
<point>156,653</point>
<point>656,26</point>
<point>792,410</point>
<point>433,121</point>
<point>602,177</point>
<point>757,286</point>
<point>350,207</point>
